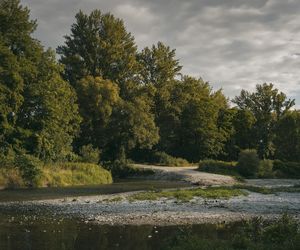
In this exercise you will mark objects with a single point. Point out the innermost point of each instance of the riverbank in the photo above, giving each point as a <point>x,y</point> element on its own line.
<point>119,209</point>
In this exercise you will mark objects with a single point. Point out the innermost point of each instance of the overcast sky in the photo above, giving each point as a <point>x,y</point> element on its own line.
<point>233,44</point>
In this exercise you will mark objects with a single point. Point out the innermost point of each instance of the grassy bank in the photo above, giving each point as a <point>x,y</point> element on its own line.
<point>57,175</point>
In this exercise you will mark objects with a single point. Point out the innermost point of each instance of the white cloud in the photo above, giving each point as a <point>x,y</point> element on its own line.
<point>234,44</point>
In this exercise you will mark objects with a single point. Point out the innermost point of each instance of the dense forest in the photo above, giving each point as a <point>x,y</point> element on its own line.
<point>105,99</point>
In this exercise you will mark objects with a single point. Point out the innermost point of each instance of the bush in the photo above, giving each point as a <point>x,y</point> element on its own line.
<point>248,163</point>
<point>11,178</point>
<point>265,169</point>
<point>218,167</point>
<point>286,169</point>
<point>89,154</point>
<point>30,168</point>
<point>19,170</point>
<point>162,158</point>
<point>123,169</point>
<point>71,174</point>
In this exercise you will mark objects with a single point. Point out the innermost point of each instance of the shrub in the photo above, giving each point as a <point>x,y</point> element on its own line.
<point>162,158</point>
<point>89,154</point>
<point>218,167</point>
<point>72,157</point>
<point>122,169</point>
<point>30,168</point>
<point>286,169</point>
<point>70,174</point>
<point>248,163</point>
<point>265,169</point>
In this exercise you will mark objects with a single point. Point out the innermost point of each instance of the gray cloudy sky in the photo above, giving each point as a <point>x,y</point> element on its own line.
<point>233,44</point>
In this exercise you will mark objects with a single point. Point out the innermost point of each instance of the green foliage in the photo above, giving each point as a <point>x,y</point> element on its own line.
<point>188,194</point>
<point>159,65</point>
<point>38,111</point>
<point>97,98</point>
<point>219,167</point>
<point>119,100</point>
<point>265,169</point>
<point>242,122</point>
<point>286,229</point>
<point>123,169</point>
<point>89,154</point>
<point>162,158</point>
<point>72,174</point>
<point>286,169</point>
<point>248,163</point>
<point>11,178</point>
<point>132,126</point>
<point>256,233</point>
<point>287,137</point>
<point>267,105</point>
<point>30,168</point>
<point>109,51</point>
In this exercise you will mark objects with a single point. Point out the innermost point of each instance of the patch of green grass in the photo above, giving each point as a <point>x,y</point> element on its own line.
<point>114,199</point>
<point>189,194</point>
<point>266,190</point>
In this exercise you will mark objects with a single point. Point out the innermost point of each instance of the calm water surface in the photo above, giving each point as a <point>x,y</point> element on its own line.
<point>25,232</point>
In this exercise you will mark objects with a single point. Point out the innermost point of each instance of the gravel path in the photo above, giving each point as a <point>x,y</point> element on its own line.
<point>188,174</point>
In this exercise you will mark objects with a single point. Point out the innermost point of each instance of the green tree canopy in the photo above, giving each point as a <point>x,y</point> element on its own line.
<point>38,110</point>
<point>287,137</point>
<point>159,64</point>
<point>97,98</point>
<point>99,45</point>
<point>267,105</point>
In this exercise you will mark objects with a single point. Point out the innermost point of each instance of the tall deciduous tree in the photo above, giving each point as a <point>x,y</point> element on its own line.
<point>287,137</point>
<point>100,62</point>
<point>202,131</point>
<point>99,45</point>
<point>38,110</point>
<point>159,69</point>
<point>267,105</point>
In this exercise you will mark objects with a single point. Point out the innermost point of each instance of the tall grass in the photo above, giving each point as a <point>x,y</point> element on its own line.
<point>72,174</point>
<point>58,175</point>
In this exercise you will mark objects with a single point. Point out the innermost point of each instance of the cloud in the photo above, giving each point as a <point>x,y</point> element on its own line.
<point>233,44</point>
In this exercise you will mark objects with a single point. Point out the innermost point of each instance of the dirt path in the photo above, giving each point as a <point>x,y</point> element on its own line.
<point>188,174</point>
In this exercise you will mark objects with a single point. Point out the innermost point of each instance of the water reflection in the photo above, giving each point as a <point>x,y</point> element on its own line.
<point>38,233</point>
<point>44,233</point>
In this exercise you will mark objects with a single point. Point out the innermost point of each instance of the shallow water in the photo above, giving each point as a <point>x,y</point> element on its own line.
<point>117,187</point>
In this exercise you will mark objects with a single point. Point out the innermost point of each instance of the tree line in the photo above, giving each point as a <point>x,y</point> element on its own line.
<point>105,94</point>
